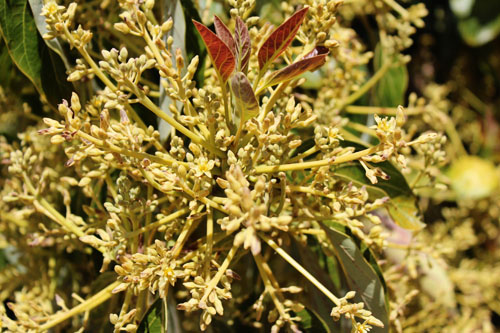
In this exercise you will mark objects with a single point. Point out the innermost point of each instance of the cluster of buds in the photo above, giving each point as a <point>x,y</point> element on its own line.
<point>353,310</point>
<point>248,210</point>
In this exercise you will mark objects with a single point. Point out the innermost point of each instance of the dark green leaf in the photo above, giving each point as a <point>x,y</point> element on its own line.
<point>310,322</point>
<point>402,206</point>
<point>21,37</point>
<point>153,320</point>
<point>3,259</point>
<point>390,90</point>
<point>31,55</point>
<point>53,76</point>
<point>5,65</point>
<point>314,301</point>
<point>359,274</point>
<point>41,25</point>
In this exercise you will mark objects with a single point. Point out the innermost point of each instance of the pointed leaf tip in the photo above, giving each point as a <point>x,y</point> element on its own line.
<point>280,38</point>
<point>311,61</point>
<point>224,34</point>
<point>243,44</point>
<point>221,55</point>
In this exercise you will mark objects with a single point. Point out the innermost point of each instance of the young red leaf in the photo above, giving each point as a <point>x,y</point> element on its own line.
<point>224,34</point>
<point>221,55</point>
<point>243,47</point>
<point>244,96</point>
<point>311,61</point>
<point>280,38</point>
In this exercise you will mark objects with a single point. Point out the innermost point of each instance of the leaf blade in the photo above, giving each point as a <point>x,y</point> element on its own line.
<point>221,55</point>
<point>313,60</point>
<point>224,34</point>
<point>244,96</point>
<point>242,45</point>
<point>359,274</point>
<point>280,38</point>
<point>18,28</point>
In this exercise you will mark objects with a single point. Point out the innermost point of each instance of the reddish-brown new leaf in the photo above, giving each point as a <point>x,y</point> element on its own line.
<point>224,34</point>
<point>244,96</point>
<point>311,61</point>
<point>221,55</point>
<point>243,46</point>
<point>280,38</point>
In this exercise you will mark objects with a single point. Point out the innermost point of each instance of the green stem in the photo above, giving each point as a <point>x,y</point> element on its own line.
<point>166,219</point>
<point>88,305</point>
<point>315,164</point>
<point>269,287</point>
<point>221,271</point>
<point>301,269</point>
<point>358,109</point>
<point>367,86</point>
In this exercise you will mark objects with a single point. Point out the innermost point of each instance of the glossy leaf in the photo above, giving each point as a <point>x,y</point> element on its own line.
<point>21,37</point>
<point>316,303</point>
<point>402,206</point>
<point>313,60</point>
<point>244,96</point>
<point>391,89</point>
<point>280,38</point>
<point>41,25</point>
<point>221,55</point>
<point>359,274</point>
<point>28,51</point>
<point>153,320</point>
<point>405,213</point>
<point>242,45</point>
<point>224,34</point>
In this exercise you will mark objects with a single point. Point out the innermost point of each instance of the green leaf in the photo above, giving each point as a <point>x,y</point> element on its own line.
<point>359,274</point>
<point>244,96</point>
<point>390,90</point>
<point>31,55</point>
<point>310,322</point>
<point>41,25</point>
<point>153,321</point>
<point>53,76</point>
<point>402,206</point>
<point>315,302</point>
<point>5,65</point>
<point>21,37</point>
<point>405,213</point>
